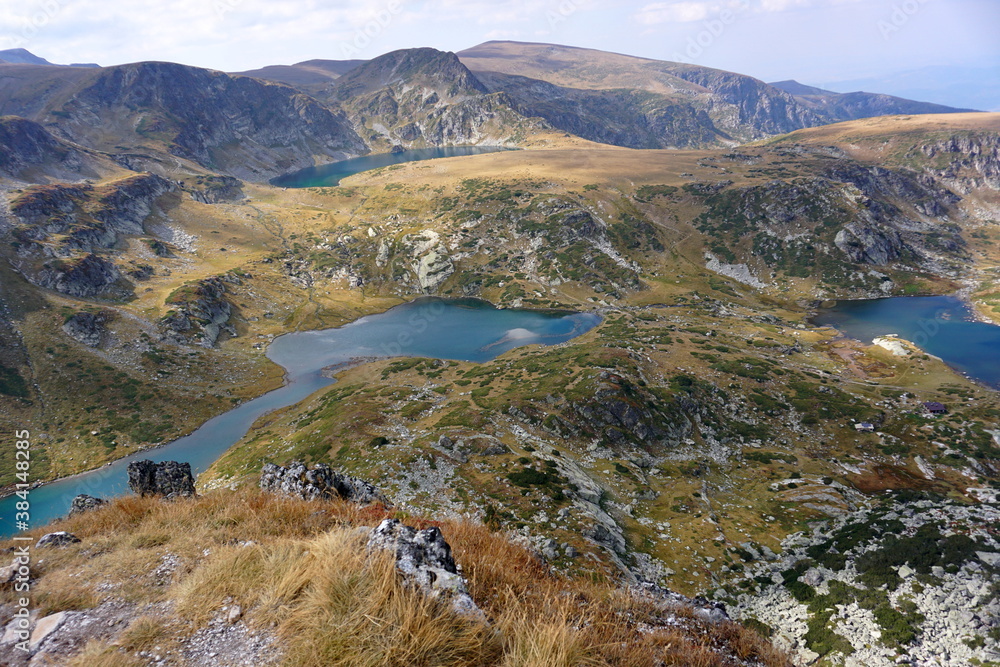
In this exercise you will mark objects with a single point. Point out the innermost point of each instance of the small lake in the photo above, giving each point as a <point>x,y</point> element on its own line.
<point>940,325</point>
<point>330,175</point>
<point>455,329</point>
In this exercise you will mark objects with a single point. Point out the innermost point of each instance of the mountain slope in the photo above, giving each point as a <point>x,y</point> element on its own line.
<point>836,107</point>
<point>425,97</point>
<point>306,76</point>
<point>21,56</point>
<point>30,153</point>
<point>730,107</point>
<point>663,104</point>
<point>236,125</point>
<point>25,57</point>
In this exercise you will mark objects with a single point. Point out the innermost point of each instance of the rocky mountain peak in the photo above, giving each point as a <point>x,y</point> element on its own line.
<point>435,70</point>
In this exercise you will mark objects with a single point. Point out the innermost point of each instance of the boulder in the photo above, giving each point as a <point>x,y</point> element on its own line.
<point>169,478</point>
<point>424,559</point>
<point>298,481</point>
<point>84,503</point>
<point>87,328</point>
<point>59,539</point>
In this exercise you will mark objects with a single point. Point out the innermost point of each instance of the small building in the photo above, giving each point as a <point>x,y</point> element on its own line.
<point>865,427</point>
<point>935,408</point>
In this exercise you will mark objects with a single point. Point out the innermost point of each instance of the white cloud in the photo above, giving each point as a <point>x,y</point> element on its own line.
<point>685,11</point>
<point>688,11</point>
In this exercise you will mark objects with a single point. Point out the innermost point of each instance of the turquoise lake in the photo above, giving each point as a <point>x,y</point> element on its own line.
<point>330,175</point>
<point>455,329</point>
<point>944,326</point>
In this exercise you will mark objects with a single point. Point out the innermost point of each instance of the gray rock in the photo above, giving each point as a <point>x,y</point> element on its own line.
<point>170,479</point>
<point>45,627</point>
<point>424,559</point>
<point>321,481</point>
<point>59,539</point>
<point>87,328</point>
<point>84,503</point>
<point>199,313</point>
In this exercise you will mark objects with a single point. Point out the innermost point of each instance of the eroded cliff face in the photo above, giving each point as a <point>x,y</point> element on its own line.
<point>746,108</point>
<point>968,160</point>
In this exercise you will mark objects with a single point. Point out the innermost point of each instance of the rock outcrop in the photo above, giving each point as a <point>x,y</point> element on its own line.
<point>58,539</point>
<point>199,313</point>
<point>320,482</point>
<point>87,328</point>
<point>170,479</point>
<point>84,503</point>
<point>65,235</point>
<point>216,189</point>
<point>66,219</point>
<point>424,559</point>
<point>86,276</point>
<point>903,582</point>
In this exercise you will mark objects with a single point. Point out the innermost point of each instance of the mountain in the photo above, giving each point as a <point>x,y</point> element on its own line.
<point>25,57</point>
<point>233,124</point>
<point>306,75</point>
<point>32,154</point>
<point>21,56</point>
<point>973,87</point>
<point>424,97</point>
<point>266,122</point>
<point>653,104</point>
<point>793,87</point>
<point>643,103</point>
<point>836,107</point>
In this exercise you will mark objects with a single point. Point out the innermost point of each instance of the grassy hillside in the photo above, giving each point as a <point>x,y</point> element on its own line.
<point>163,577</point>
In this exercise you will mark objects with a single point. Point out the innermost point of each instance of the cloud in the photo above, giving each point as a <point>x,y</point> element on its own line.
<point>684,11</point>
<point>689,11</point>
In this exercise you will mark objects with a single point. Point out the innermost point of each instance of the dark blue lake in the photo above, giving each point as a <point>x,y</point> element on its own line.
<point>457,329</point>
<point>940,325</point>
<point>330,175</point>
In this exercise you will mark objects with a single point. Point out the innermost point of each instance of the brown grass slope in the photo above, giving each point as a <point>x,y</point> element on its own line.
<point>300,572</point>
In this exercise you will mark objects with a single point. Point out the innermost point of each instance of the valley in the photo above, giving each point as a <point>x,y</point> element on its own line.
<point>692,439</point>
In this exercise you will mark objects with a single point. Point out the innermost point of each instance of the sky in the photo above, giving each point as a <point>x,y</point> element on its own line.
<point>819,42</point>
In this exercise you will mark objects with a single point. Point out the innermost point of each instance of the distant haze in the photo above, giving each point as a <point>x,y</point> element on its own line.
<point>968,87</point>
<point>837,44</point>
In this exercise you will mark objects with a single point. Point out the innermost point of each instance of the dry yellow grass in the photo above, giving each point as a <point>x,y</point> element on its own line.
<point>299,569</point>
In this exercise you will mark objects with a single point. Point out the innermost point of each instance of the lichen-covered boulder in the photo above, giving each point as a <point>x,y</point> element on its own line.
<point>169,478</point>
<point>59,539</point>
<point>320,482</point>
<point>424,559</point>
<point>84,503</point>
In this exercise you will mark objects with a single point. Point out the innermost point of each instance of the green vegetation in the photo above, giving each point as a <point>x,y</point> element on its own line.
<point>12,384</point>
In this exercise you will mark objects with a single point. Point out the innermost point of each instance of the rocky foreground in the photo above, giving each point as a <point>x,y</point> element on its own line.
<point>908,581</point>
<point>315,569</point>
